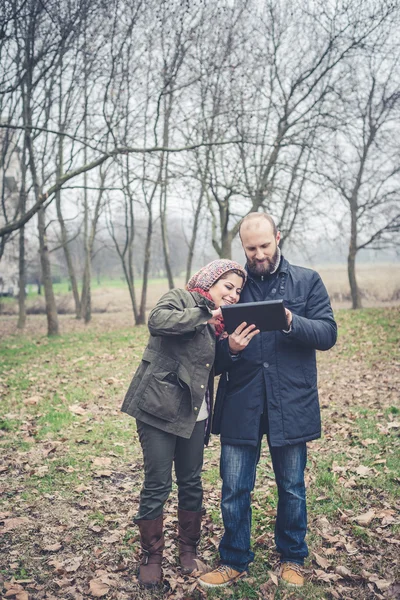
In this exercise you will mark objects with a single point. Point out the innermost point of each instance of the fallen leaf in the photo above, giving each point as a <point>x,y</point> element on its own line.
<point>15,523</point>
<point>12,589</point>
<point>100,461</point>
<point>96,529</point>
<point>273,577</point>
<point>343,571</point>
<point>77,410</point>
<point>322,562</point>
<point>366,518</point>
<point>104,473</point>
<point>73,565</point>
<point>98,588</point>
<point>115,537</point>
<point>41,471</point>
<point>327,577</point>
<point>52,547</point>
<point>363,471</point>
<point>32,400</point>
<point>381,584</point>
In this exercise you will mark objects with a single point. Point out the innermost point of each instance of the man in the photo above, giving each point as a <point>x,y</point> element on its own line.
<point>269,386</point>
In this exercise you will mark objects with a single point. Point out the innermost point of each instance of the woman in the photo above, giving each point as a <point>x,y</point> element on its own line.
<point>171,398</point>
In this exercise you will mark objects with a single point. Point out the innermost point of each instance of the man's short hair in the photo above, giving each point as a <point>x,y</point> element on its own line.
<point>257,216</point>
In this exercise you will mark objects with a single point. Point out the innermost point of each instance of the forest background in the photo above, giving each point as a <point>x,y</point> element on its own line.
<point>135,135</point>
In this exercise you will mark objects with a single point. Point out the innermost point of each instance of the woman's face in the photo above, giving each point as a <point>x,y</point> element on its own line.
<point>227,290</point>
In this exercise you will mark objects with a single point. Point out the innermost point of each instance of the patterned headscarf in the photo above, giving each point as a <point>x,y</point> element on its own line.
<point>204,279</point>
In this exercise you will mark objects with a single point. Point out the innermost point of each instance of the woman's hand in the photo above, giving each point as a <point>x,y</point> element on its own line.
<point>216,314</point>
<point>240,338</point>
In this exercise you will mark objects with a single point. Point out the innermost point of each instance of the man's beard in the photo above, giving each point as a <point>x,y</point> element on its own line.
<point>265,267</point>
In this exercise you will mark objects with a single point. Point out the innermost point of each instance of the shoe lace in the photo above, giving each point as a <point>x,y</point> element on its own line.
<point>223,569</point>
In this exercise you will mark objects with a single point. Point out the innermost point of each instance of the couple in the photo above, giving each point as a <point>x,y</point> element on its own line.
<point>268,386</point>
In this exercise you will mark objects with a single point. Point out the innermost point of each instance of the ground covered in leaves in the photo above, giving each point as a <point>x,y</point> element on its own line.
<point>71,469</point>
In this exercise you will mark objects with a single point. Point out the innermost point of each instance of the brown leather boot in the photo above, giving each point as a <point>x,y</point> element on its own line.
<point>152,543</point>
<point>189,539</point>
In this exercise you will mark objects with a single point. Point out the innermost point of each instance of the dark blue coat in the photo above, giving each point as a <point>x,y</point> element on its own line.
<point>277,372</point>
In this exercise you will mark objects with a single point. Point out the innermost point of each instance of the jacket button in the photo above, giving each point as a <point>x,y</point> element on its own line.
<point>202,387</point>
<point>266,365</point>
<point>195,409</point>
<point>273,290</point>
<point>207,365</point>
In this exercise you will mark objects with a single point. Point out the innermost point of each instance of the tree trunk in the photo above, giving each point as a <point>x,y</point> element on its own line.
<point>226,246</point>
<point>192,242</point>
<point>141,319</point>
<point>21,258</point>
<point>86,299</point>
<point>63,229</point>
<point>351,263</point>
<point>68,258</point>
<point>51,310</point>
<point>21,281</point>
<point>163,192</point>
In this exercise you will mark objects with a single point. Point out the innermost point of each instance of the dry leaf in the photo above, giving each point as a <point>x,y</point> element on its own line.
<point>115,537</point>
<point>343,571</point>
<point>12,589</point>
<point>81,488</point>
<point>98,588</point>
<point>322,562</point>
<point>52,547</point>
<point>273,577</point>
<point>324,576</point>
<point>100,461</point>
<point>77,410</point>
<point>32,400</point>
<point>366,518</point>
<point>363,471</point>
<point>73,565</point>
<point>15,523</point>
<point>104,473</point>
<point>41,471</point>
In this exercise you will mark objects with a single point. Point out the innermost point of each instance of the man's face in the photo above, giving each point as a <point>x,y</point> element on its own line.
<point>260,246</point>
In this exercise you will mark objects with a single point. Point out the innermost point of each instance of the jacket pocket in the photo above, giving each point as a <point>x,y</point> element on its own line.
<point>163,395</point>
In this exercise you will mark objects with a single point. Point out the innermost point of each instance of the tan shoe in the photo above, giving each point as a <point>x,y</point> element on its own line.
<point>220,577</point>
<point>292,574</point>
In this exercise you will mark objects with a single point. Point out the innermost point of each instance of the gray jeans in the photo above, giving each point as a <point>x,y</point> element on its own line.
<point>160,450</point>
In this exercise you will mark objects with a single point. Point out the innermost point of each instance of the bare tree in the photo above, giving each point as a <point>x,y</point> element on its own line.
<point>362,167</point>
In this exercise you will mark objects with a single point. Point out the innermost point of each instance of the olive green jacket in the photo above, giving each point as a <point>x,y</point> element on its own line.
<point>169,385</point>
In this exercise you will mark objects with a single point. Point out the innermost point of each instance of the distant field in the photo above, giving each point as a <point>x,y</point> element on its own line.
<point>379,284</point>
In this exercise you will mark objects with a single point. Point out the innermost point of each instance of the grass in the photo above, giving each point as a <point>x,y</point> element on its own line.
<point>72,461</point>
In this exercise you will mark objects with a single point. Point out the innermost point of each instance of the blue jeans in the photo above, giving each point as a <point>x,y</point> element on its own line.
<point>238,473</point>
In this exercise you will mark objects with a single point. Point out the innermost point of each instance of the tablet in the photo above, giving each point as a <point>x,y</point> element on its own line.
<point>266,316</point>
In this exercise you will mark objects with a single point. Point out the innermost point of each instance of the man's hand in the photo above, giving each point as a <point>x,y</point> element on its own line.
<point>240,338</point>
<point>215,314</point>
<point>289,317</point>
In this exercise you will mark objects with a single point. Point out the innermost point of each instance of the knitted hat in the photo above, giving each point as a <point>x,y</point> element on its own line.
<point>208,275</point>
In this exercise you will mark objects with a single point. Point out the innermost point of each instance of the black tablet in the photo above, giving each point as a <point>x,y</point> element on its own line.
<point>266,316</point>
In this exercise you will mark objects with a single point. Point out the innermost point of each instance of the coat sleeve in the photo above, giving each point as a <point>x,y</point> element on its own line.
<point>318,328</point>
<point>170,316</point>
